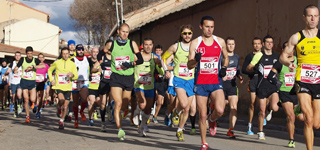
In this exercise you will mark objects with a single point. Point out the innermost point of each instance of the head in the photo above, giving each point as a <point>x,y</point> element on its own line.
<point>207,26</point>
<point>257,44</point>
<point>123,31</point>
<point>186,32</point>
<point>80,50</point>
<point>158,50</point>
<point>29,52</point>
<point>311,16</point>
<point>268,42</point>
<point>71,46</point>
<point>108,41</point>
<point>4,62</point>
<point>94,52</point>
<point>231,44</point>
<point>147,45</point>
<point>65,53</point>
<point>17,56</point>
<point>41,57</point>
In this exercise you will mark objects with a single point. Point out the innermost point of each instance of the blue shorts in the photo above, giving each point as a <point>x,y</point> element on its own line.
<point>187,85</point>
<point>14,88</point>
<point>147,93</point>
<point>172,91</point>
<point>206,89</point>
<point>76,91</point>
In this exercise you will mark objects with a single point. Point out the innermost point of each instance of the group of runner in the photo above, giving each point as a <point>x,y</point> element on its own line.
<point>199,73</point>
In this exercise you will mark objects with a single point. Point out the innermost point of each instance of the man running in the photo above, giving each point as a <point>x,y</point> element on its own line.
<point>265,90</point>
<point>253,80</point>
<point>307,82</point>
<point>28,78</point>
<point>183,80</point>
<point>65,70</point>
<point>40,85</point>
<point>3,82</point>
<point>206,54</point>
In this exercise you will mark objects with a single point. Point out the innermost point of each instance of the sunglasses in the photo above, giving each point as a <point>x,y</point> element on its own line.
<point>186,33</point>
<point>80,49</point>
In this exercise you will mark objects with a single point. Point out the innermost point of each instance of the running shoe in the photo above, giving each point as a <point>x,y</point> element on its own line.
<point>121,135</point>
<point>68,118</point>
<point>19,109</point>
<point>297,110</point>
<point>58,112</point>
<point>103,127</point>
<point>136,114</point>
<point>193,131</point>
<point>167,120</point>
<point>38,115</point>
<point>125,114</point>
<point>91,122</point>
<point>34,110</point>
<point>175,118</point>
<point>261,136</point>
<point>15,114</point>
<point>213,128</point>
<point>76,124</point>
<point>249,132</point>
<point>155,120</point>
<point>110,114</point>
<point>83,117</point>
<point>180,136</point>
<point>27,119</point>
<point>269,116</point>
<point>204,146</point>
<point>95,116</point>
<point>61,125</point>
<point>11,107</point>
<point>142,132</point>
<point>230,134</point>
<point>292,144</point>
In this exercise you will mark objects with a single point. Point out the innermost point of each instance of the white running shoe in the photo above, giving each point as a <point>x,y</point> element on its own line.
<point>261,136</point>
<point>142,132</point>
<point>136,114</point>
<point>269,116</point>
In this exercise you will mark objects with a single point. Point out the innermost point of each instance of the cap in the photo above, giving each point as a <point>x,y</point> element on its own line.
<point>71,42</point>
<point>79,47</point>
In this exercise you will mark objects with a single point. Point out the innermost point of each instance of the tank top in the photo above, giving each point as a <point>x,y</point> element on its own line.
<point>15,78</point>
<point>119,55</point>
<point>83,68</point>
<point>144,74</point>
<point>180,64</point>
<point>106,68</point>
<point>287,77</point>
<point>28,75</point>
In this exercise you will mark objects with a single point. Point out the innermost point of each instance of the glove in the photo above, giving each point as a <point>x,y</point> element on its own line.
<point>278,84</point>
<point>272,78</point>
<point>197,57</point>
<point>127,64</point>
<point>223,72</point>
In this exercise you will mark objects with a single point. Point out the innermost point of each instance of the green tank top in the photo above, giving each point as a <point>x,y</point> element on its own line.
<point>30,75</point>
<point>287,78</point>
<point>180,69</point>
<point>144,74</point>
<point>119,55</point>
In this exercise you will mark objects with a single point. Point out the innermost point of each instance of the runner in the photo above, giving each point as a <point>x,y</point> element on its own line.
<point>171,103</point>
<point>144,84</point>
<point>80,86</point>
<point>65,69</point>
<point>253,80</point>
<point>183,80</point>
<point>15,84</point>
<point>210,69</point>
<point>28,78</point>
<point>122,79</point>
<point>307,83</point>
<point>40,85</point>
<point>3,83</point>
<point>263,61</point>
<point>230,86</point>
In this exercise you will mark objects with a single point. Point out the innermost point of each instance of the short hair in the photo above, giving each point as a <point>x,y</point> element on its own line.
<point>229,38</point>
<point>256,38</point>
<point>267,37</point>
<point>147,39</point>
<point>307,7</point>
<point>18,52</point>
<point>206,18</point>
<point>122,25</point>
<point>185,26</point>
<point>109,40</point>
<point>284,44</point>
<point>40,54</point>
<point>65,48</point>
<point>29,49</point>
<point>158,46</point>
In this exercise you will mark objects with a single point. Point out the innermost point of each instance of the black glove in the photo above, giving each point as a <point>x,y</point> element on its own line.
<point>272,78</point>
<point>127,64</point>
<point>278,84</point>
<point>197,57</point>
<point>223,72</point>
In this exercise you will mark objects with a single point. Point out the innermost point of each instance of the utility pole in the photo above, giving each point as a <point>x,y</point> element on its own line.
<point>121,1</point>
<point>117,13</point>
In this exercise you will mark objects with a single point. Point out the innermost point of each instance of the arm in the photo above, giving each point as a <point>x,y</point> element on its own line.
<point>50,70</point>
<point>172,49</point>
<point>272,77</point>
<point>95,67</point>
<point>169,60</point>
<point>39,65</point>
<point>246,62</point>
<point>239,75</point>
<point>159,68</point>
<point>18,65</point>
<point>74,72</point>
<point>192,62</point>
<point>288,51</point>
<point>256,58</point>
<point>222,72</point>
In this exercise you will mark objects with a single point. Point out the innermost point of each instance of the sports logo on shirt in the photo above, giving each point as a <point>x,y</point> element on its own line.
<point>201,50</point>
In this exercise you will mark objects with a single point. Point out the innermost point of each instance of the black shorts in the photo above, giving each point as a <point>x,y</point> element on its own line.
<point>104,87</point>
<point>162,87</point>
<point>40,86</point>
<point>253,83</point>
<point>2,86</point>
<point>287,97</point>
<point>311,89</point>
<point>94,92</point>
<point>122,81</point>
<point>66,94</point>
<point>229,89</point>
<point>27,84</point>
<point>265,92</point>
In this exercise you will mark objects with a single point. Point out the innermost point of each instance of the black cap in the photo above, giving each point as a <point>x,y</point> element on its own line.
<point>79,47</point>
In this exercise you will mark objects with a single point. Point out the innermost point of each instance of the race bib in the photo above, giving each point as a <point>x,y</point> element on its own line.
<point>107,73</point>
<point>209,65</point>
<point>63,78</point>
<point>17,75</point>
<point>39,77</point>
<point>145,78</point>
<point>28,75</point>
<point>289,78</point>
<point>119,60</point>
<point>77,85</point>
<point>231,73</point>
<point>95,78</point>
<point>184,71</point>
<point>310,73</point>
<point>266,70</point>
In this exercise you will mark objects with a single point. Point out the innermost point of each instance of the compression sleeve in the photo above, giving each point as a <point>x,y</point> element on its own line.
<point>278,66</point>
<point>165,56</point>
<point>140,59</point>
<point>256,58</point>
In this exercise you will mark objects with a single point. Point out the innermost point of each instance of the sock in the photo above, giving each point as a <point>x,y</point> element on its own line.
<point>83,106</point>
<point>103,114</point>
<point>19,101</point>
<point>179,130</point>
<point>61,120</point>
<point>193,121</point>
<point>75,112</point>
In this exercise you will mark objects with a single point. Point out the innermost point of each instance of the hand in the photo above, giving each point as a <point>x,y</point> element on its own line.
<point>168,75</point>
<point>29,68</point>
<point>70,74</point>
<point>53,82</point>
<point>15,71</point>
<point>127,64</point>
<point>241,79</point>
<point>197,57</point>
<point>292,67</point>
<point>223,72</point>
<point>224,78</point>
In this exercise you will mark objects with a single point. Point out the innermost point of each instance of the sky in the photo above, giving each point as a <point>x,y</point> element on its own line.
<point>58,16</point>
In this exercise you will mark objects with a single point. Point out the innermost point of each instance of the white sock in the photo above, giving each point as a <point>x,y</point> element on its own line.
<point>179,130</point>
<point>250,125</point>
<point>61,120</point>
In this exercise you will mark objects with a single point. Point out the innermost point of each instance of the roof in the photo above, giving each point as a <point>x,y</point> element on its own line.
<point>10,50</point>
<point>155,11</point>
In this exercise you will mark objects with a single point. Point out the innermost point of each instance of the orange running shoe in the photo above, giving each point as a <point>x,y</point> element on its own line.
<point>27,119</point>
<point>230,134</point>
<point>83,117</point>
<point>76,124</point>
